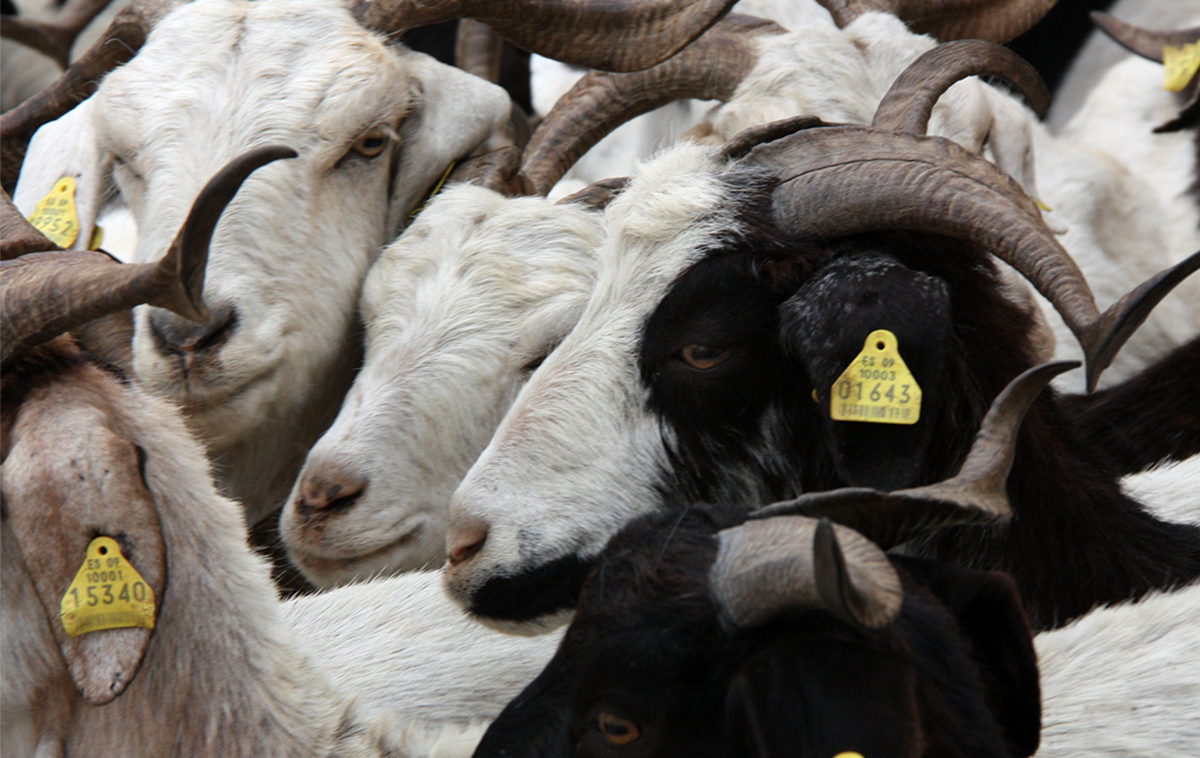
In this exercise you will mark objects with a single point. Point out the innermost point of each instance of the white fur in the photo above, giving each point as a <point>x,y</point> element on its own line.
<point>216,78</point>
<point>1171,490</point>
<point>386,668</point>
<point>475,290</point>
<point>579,434</point>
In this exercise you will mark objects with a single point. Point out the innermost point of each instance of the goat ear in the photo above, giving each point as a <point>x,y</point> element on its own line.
<point>66,147</point>
<point>455,113</point>
<point>101,494</point>
<point>825,325</point>
<point>989,614</point>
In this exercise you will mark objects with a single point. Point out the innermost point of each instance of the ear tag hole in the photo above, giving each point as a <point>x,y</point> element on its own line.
<point>877,387</point>
<point>107,593</point>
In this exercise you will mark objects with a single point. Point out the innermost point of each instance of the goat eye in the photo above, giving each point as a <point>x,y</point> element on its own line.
<point>616,730</point>
<point>703,357</point>
<point>371,143</point>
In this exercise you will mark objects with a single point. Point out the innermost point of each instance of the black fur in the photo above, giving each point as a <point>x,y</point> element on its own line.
<point>548,588</point>
<point>1153,417</point>
<point>748,430</point>
<point>647,645</point>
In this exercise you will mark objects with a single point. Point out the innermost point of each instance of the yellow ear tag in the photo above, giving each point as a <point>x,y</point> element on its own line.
<point>97,238</point>
<point>848,755</point>
<point>877,387</point>
<point>55,215</point>
<point>1181,65</point>
<point>108,593</point>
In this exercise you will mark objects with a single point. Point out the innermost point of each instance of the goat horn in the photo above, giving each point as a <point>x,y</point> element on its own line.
<point>477,50</point>
<point>124,36</point>
<point>992,20</point>
<point>710,68</point>
<point>493,170</point>
<point>765,568</point>
<point>54,38</point>
<point>845,180</point>
<point>977,494</point>
<point>1149,44</point>
<point>46,294</point>
<point>909,102</point>
<point>602,34</point>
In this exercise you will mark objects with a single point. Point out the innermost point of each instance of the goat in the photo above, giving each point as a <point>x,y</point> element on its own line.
<point>734,285</point>
<point>1123,206</point>
<point>376,125</point>
<point>791,636</point>
<point>87,453</point>
<point>458,312</point>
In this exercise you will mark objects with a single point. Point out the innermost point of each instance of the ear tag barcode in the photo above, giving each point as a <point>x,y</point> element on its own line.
<point>877,387</point>
<point>1181,65</point>
<point>107,593</point>
<point>55,215</point>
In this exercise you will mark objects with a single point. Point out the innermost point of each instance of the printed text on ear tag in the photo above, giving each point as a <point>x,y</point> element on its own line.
<point>107,593</point>
<point>55,215</point>
<point>1181,64</point>
<point>877,387</point>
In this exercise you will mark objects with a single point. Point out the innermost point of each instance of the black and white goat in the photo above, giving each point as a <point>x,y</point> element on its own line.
<point>791,636</point>
<point>736,285</point>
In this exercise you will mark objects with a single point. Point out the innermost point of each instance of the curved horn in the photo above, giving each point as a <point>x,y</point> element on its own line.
<point>845,180</point>
<point>710,68</point>
<point>909,102</point>
<point>493,170</point>
<point>46,294</point>
<point>1148,43</point>
<point>477,50</point>
<point>992,20</point>
<point>17,235</point>
<point>767,568</point>
<point>54,38</point>
<point>603,34</point>
<point>124,36</point>
<point>977,494</point>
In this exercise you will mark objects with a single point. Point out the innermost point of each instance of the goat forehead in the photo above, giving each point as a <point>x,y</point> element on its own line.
<point>263,71</point>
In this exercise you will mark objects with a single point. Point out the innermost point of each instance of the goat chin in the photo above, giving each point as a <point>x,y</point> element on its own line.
<point>231,670</point>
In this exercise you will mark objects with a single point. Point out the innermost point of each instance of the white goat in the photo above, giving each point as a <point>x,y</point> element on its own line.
<point>376,125</point>
<point>458,311</point>
<point>227,670</point>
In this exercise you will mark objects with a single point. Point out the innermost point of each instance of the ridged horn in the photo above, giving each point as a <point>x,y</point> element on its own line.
<point>46,294</point>
<point>54,38</point>
<point>845,180</point>
<point>477,50</point>
<point>765,569</point>
<point>493,170</point>
<point>602,34</point>
<point>977,494</point>
<point>123,38</point>
<point>992,20</point>
<point>909,102</point>
<point>710,68</point>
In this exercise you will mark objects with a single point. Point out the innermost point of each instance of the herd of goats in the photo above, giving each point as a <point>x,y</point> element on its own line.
<point>682,390</point>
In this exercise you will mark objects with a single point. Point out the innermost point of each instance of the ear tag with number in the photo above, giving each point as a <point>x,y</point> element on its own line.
<point>55,215</point>
<point>877,387</point>
<point>1181,65</point>
<point>108,593</point>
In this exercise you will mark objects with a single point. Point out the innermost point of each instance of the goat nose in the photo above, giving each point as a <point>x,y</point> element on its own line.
<point>175,334</point>
<point>465,542</point>
<point>328,492</point>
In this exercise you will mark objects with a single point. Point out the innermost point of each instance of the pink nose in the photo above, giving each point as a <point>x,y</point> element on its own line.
<point>465,542</point>
<point>326,491</point>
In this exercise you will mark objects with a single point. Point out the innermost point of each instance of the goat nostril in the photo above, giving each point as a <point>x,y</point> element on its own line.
<point>326,496</point>
<point>466,544</point>
<point>175,334</point>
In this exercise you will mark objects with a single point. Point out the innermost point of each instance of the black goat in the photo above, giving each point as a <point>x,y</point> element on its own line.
<point>788,636</point>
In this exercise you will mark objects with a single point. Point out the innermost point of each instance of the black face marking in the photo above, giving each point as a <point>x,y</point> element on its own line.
<point>541,591</point>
